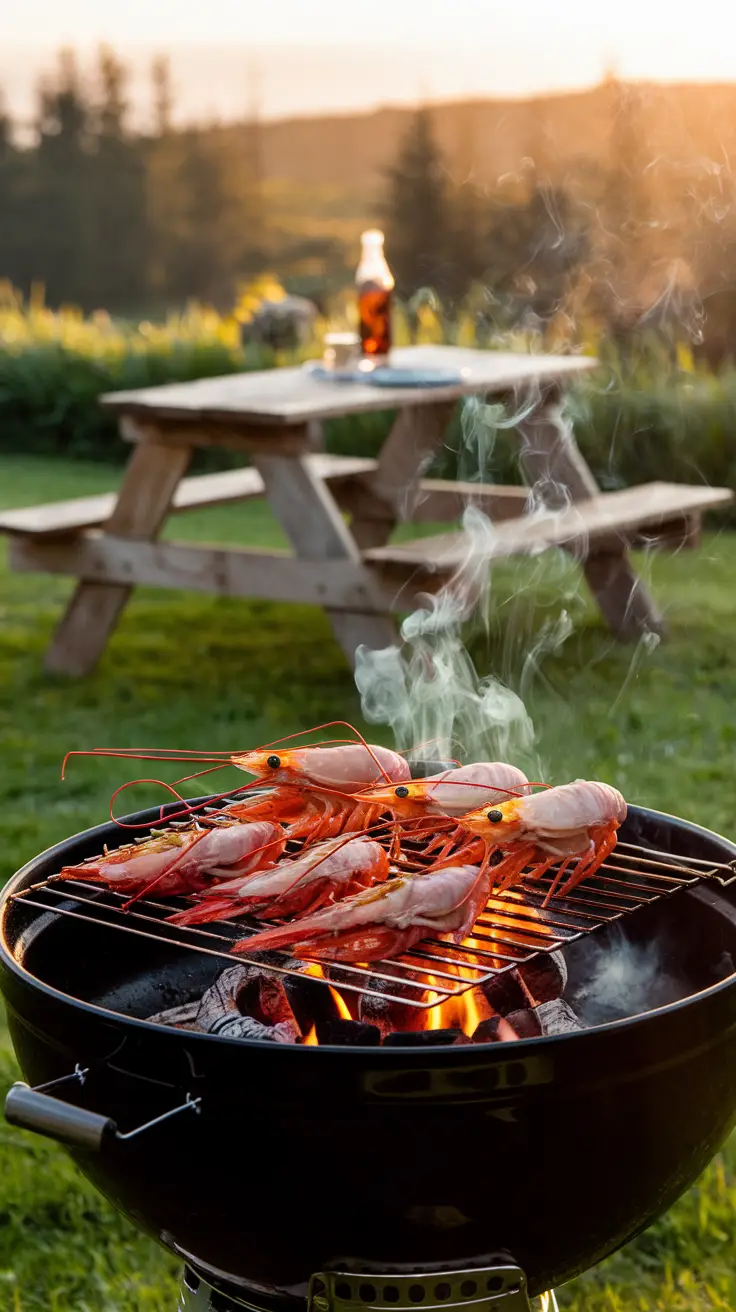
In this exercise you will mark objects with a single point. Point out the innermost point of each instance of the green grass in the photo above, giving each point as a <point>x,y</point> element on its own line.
<point>186,670</point>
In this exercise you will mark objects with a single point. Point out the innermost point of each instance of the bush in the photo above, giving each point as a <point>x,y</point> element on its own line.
<point>647,414</point>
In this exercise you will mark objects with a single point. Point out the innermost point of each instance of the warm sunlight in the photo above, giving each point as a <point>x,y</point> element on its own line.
<point>358,58</point>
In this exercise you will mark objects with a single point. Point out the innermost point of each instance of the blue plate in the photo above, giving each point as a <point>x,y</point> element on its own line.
<point>388,377</point>
<point>337,375</point>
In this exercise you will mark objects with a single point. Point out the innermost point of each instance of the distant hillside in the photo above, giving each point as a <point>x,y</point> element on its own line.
<point>687,124</point>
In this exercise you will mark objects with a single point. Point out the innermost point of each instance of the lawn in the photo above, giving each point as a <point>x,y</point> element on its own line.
<point>186,670</point>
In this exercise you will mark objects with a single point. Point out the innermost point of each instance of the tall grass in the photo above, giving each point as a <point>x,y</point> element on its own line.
<point>650,412</point>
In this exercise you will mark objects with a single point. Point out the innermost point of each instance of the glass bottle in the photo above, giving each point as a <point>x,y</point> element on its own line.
<point>375,284</point>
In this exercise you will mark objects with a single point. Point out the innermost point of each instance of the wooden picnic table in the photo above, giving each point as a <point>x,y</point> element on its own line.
<point>110,543</point>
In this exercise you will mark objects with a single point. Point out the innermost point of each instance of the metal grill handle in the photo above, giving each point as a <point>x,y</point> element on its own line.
<point>54,1119</point>
<point>35,1110</point>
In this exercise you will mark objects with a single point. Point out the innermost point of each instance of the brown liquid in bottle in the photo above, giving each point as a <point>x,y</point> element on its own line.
<point>374,285</point>
<point>374,309</point>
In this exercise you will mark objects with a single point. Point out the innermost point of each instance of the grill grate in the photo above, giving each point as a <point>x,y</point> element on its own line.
<point>514,928</point>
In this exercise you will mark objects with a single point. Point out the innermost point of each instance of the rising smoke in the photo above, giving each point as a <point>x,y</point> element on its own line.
<point>427,687</point>
<point>623,978</point>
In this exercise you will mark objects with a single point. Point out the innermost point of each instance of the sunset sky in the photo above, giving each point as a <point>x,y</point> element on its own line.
<point>315,56</point>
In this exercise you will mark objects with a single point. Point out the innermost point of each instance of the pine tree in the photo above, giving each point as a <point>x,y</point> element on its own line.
<point>120,254</point>
<point>534,246</point>
<point>467,244</point>
<point>61,228</point>
<point>416,209</point>
<point>163,98</point>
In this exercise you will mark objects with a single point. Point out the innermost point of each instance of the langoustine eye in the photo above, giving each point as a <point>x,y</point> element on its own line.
<point>273,762</point>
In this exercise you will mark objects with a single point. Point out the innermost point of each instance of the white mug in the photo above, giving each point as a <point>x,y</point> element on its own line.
<point>341,350</point>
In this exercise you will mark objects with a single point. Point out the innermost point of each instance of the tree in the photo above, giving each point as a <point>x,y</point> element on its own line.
<point>119,194</point>
<point>416,208</point>
<point>199,215</point>
<point>467,237</point>
<point>534,245</point>
<point>163,98</point>
<point>61,229</point>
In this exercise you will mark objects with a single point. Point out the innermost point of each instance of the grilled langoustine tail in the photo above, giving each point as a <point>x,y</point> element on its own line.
<point>386,921</point>
<point>321,874</point>
<point>184,861</point>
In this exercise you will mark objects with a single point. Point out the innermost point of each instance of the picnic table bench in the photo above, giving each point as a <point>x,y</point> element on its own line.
<point>350,568</point>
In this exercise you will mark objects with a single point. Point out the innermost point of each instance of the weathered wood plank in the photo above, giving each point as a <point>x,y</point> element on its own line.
<point>204,490</point>
<point>293,396</point>
<point>182,432</point>
<point>441,500</point>
<point>390,494</point>
<point>225,572</point>
<point>317,531</point>
<point>150,480</point>
<point>581,526</point>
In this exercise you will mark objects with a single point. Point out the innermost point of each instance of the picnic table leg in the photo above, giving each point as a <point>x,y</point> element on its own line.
<point>387,496</point>
<point>150,480</point>
<point>317,531</point>
<point>552,461</point>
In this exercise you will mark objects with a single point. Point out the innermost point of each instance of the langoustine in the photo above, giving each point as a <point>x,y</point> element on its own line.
<point>329,780</point>
<point>580,820</point>
<point>321,874</point>
<point>184,860</point>
<point>312,788</point>
<point>450,793</point>
<point>386,921</point>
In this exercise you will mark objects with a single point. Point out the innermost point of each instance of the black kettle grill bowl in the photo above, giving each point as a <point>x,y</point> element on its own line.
<point>556,1151</point>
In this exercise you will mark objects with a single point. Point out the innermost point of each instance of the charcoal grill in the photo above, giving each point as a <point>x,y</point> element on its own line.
<point>367,1170</point>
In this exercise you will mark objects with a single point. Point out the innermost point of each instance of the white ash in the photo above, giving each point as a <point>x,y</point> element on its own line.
<point>557,1017</point>
<point>218,1011</point>
<point>184,1017</point>
<point>247,1027</point>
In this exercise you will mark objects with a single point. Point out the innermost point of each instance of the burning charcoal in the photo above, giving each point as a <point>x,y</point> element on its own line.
<point>264,996</point>
<point>348,1033</point>
<point>222,998</point>
<point>250,995</point>
<point>184,1018</point>
<point>544,978</point>
<point>387,1014</point>
<point>246,1027</point>
<point>557,1017</point>
<point>505,993</point>
<point>310,1000</point>
<point>426,1039</point>
<point>495,1030</point>
<point>525,1024</point>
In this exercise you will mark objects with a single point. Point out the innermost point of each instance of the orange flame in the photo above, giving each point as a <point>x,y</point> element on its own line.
<point>343,1010</point>
<point>310,1039</point>
<point>464,1011</point>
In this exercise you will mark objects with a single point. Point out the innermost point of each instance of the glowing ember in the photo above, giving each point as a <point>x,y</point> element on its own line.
<point>463,1012</point>
<point>315,970</point>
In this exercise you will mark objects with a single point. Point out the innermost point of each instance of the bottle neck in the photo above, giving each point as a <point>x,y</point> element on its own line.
<point>373,267</point>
